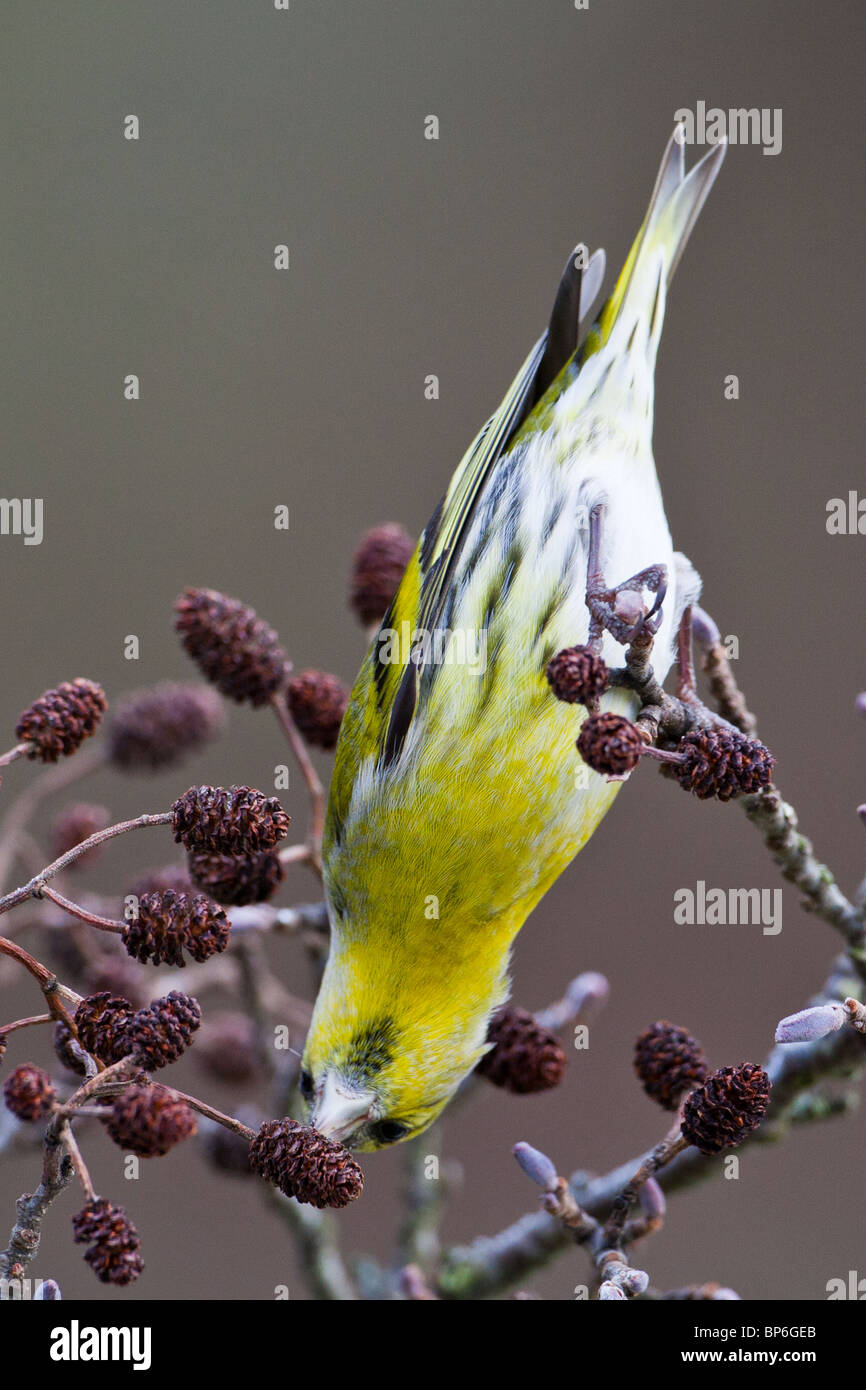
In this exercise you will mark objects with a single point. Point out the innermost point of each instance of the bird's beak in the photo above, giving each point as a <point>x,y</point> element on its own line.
<point>339,1109</point>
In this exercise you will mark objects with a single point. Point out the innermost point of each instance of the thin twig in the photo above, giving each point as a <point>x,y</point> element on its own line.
<point>717,667</point>
<point>55,993</point>
<point>78,1163</point>
<point>30,1022</point>
<point>210,1111</point>
<point>425,1196</point>
<point>311,777</point>
<point>60,1158</point>
<point>295,854</point>
<point>253,970</point>
<point>52,781</point>
<point>663,1153</point>
<point>34,889</point>
<point>13,754</point>
<point>93,919</point>
<point>777,822</point>
<point>774,817</point>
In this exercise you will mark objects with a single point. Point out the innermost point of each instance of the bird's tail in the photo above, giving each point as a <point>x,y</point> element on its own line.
<point>677,199</point>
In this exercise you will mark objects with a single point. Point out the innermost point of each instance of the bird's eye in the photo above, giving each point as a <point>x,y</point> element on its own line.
<point>388,1131</point>
<point>305,1083</point>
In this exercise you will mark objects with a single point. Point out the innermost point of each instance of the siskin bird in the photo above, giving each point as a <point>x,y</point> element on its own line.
<point>455,803</point>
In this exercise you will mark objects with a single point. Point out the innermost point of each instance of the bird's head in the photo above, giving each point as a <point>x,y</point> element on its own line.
<point>380,1061</point>
<point>364,1116</point>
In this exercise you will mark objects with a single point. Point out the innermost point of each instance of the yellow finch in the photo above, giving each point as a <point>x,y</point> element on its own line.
<point>456,797</point>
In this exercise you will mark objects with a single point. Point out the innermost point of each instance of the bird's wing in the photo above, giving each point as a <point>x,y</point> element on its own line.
<point>426,590</point>
<point>439,548</point>
<point>580,283</point>
<point>385,696</point>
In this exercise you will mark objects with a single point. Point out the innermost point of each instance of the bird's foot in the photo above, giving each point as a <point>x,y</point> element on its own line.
<point>687,689</point>
<point>622,610</point>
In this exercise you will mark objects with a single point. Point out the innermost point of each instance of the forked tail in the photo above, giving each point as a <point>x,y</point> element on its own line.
<point>674,207</point>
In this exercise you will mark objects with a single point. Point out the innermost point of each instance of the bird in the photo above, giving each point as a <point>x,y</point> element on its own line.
<point>457,797</point>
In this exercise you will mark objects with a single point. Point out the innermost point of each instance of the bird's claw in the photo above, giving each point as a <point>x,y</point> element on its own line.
<point>621,610</point>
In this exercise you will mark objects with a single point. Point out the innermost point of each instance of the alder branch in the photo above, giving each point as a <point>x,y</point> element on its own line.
<point>31,1207</point>
<point>492,1264</point>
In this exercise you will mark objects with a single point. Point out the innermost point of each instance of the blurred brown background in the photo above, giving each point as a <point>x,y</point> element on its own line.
<point>411,257</point>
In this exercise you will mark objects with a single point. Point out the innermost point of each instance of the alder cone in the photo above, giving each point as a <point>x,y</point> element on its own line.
<point>102,1021</point>
<point>29,1092</point>
<point>610,744</point>
<point>237,879</point>
<point>304,1164</point>
<point>149,1120</point>
<point>115,1245</point>
<point>669,1061</point>
<point>238,652</point>
<point>726,1108</point>
<point>228,820</point>
<point>158,728</point>
<point>167,924</point>
<point>160,1033</point>
<point>721,763</point>
<point>57,724</point>
<point>525,1057</point>
<point>317,702</point>
<point>381,557</point>
<point>577,675</point>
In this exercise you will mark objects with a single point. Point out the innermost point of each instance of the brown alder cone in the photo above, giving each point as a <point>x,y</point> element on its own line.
<point>114,1242</point>
<point>102,1021</point>
<point>525,1057</point>
<point>721,763</point>
<point>149,1120</point>
<point>577,674</point>
<point>29,1092</point>
<point>168,924</point>
<point>728,1107</point>
<point>669,1061</point>
<point>237,879</point>
<point>304,1164</point>
<point>381,557</point>
<point>228,820</point>
<point>317,702</point>
<point>238,652</point>
<point>160,1033</point>
<point>610,744</point>
<point>58,722</point>
<point>158,728</point>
